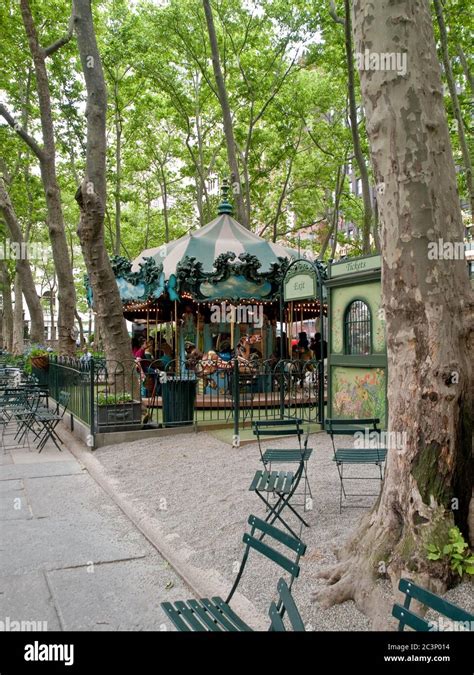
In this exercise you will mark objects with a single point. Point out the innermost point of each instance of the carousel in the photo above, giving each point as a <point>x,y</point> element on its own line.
<point>213,298</point>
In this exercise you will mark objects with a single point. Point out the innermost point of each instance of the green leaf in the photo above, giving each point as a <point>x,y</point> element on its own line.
<point>433,556</point>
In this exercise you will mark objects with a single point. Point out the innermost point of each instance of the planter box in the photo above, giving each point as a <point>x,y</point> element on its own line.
<point>119,414</point>
<point>40,362</point>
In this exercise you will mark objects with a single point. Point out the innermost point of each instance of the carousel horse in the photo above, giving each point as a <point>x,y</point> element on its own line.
<point>209,364</point>
<point>212,362</point>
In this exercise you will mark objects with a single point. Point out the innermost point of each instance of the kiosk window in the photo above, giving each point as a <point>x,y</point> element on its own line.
<point>357,329</point>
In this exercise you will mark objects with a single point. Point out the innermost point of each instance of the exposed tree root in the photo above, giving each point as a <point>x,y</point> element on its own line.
<point>376,550</point>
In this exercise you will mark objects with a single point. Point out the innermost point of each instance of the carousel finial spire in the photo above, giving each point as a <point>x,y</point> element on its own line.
<point>225,206</point>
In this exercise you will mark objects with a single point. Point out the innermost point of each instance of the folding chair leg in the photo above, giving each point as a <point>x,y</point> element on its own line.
<point>49,433</point>
<point>239,575</point>
<point>285,502</point>
<point>307,486</point>
<point>276,516</point>
<point>341,491</point>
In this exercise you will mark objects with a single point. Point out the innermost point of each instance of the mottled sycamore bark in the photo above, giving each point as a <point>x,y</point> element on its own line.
<point>429,317</point>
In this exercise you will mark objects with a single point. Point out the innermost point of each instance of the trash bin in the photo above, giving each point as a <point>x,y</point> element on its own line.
<point>178,396</point>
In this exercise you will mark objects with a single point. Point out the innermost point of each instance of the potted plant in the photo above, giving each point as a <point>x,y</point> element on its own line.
<point>117,409</point>
<point>38,357</point>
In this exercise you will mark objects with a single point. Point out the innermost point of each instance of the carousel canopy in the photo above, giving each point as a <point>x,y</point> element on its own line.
<point>222,235</point>
<point>222,260</point>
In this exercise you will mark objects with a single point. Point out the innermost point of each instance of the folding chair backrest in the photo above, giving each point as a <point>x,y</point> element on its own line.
<point>286,605</point>
<point>430,600</point>
<point>32,400</point>
<point>253,541</point>
<point>288,427</point>
<point>347,427</point>
<point>13,398</point>
<point>63,400</point>
<point>295,545</point>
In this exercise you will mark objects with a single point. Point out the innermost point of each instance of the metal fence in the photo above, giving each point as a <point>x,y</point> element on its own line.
<point>103,396</point>
<point>235,392</point>
<point>113,396</point>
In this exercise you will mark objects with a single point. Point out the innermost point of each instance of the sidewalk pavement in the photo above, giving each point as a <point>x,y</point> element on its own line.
<point>69,556</point>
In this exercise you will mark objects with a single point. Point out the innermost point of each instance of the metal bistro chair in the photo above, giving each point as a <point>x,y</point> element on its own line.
<point>215,614</point>
<point>48,421</point>
<point>25,415</point>
<point>406,616</point>
<point>281,484</point>
<point>286,427</point>
<point>19,408</point>
<point>356,456</point>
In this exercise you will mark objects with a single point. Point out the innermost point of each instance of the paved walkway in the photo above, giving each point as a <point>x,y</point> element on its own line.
<point>68,554</point>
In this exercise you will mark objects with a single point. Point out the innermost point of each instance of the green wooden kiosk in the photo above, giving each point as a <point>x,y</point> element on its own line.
<point>357,352</point>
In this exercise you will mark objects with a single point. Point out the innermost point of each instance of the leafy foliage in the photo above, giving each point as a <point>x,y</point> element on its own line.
<point>457,551</point>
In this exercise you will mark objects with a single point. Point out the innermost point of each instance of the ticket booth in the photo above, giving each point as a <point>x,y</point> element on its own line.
<point>357,351</point>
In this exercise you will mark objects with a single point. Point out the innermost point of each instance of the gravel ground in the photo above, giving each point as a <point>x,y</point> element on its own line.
<point>197,488</point>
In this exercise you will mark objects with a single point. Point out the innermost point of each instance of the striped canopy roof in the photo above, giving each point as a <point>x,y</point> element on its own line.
<point>221,235</point>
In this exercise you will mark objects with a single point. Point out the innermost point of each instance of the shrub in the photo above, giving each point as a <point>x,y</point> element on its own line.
<point>456,550</point>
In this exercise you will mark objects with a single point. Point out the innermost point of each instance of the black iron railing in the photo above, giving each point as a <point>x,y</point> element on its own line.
<point>112,396</point>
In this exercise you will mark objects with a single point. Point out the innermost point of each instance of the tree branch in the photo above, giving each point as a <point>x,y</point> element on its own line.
<point>48,51</point>
<point>334,15</point>
<point>29,140</point>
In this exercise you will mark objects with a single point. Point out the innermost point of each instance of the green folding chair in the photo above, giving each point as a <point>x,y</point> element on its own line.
<point>406,617</point>
<point>215,614</point>
<point>356,456</point>
<point>292,427</point>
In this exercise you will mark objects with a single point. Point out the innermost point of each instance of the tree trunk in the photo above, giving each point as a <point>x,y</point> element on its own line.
<point>199,176</point>
<point>82,340</point>
<point>18,346</point>
<point>7,318</point>
<point>91,198</point>
<point>164,196</point>
<point>448,71</point>
<point>358,154</point>
<point>429,317</point>
<point>118,170</point>
<point>47,157</point>
<point>466,69</point>
<point>23,268</point>
<point>241,212</point>
<point>148,213</point>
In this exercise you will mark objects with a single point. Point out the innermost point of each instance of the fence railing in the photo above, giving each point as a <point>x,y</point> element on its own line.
<point>113,396</point>
<point>103,396</point>
<point>224,392</point>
